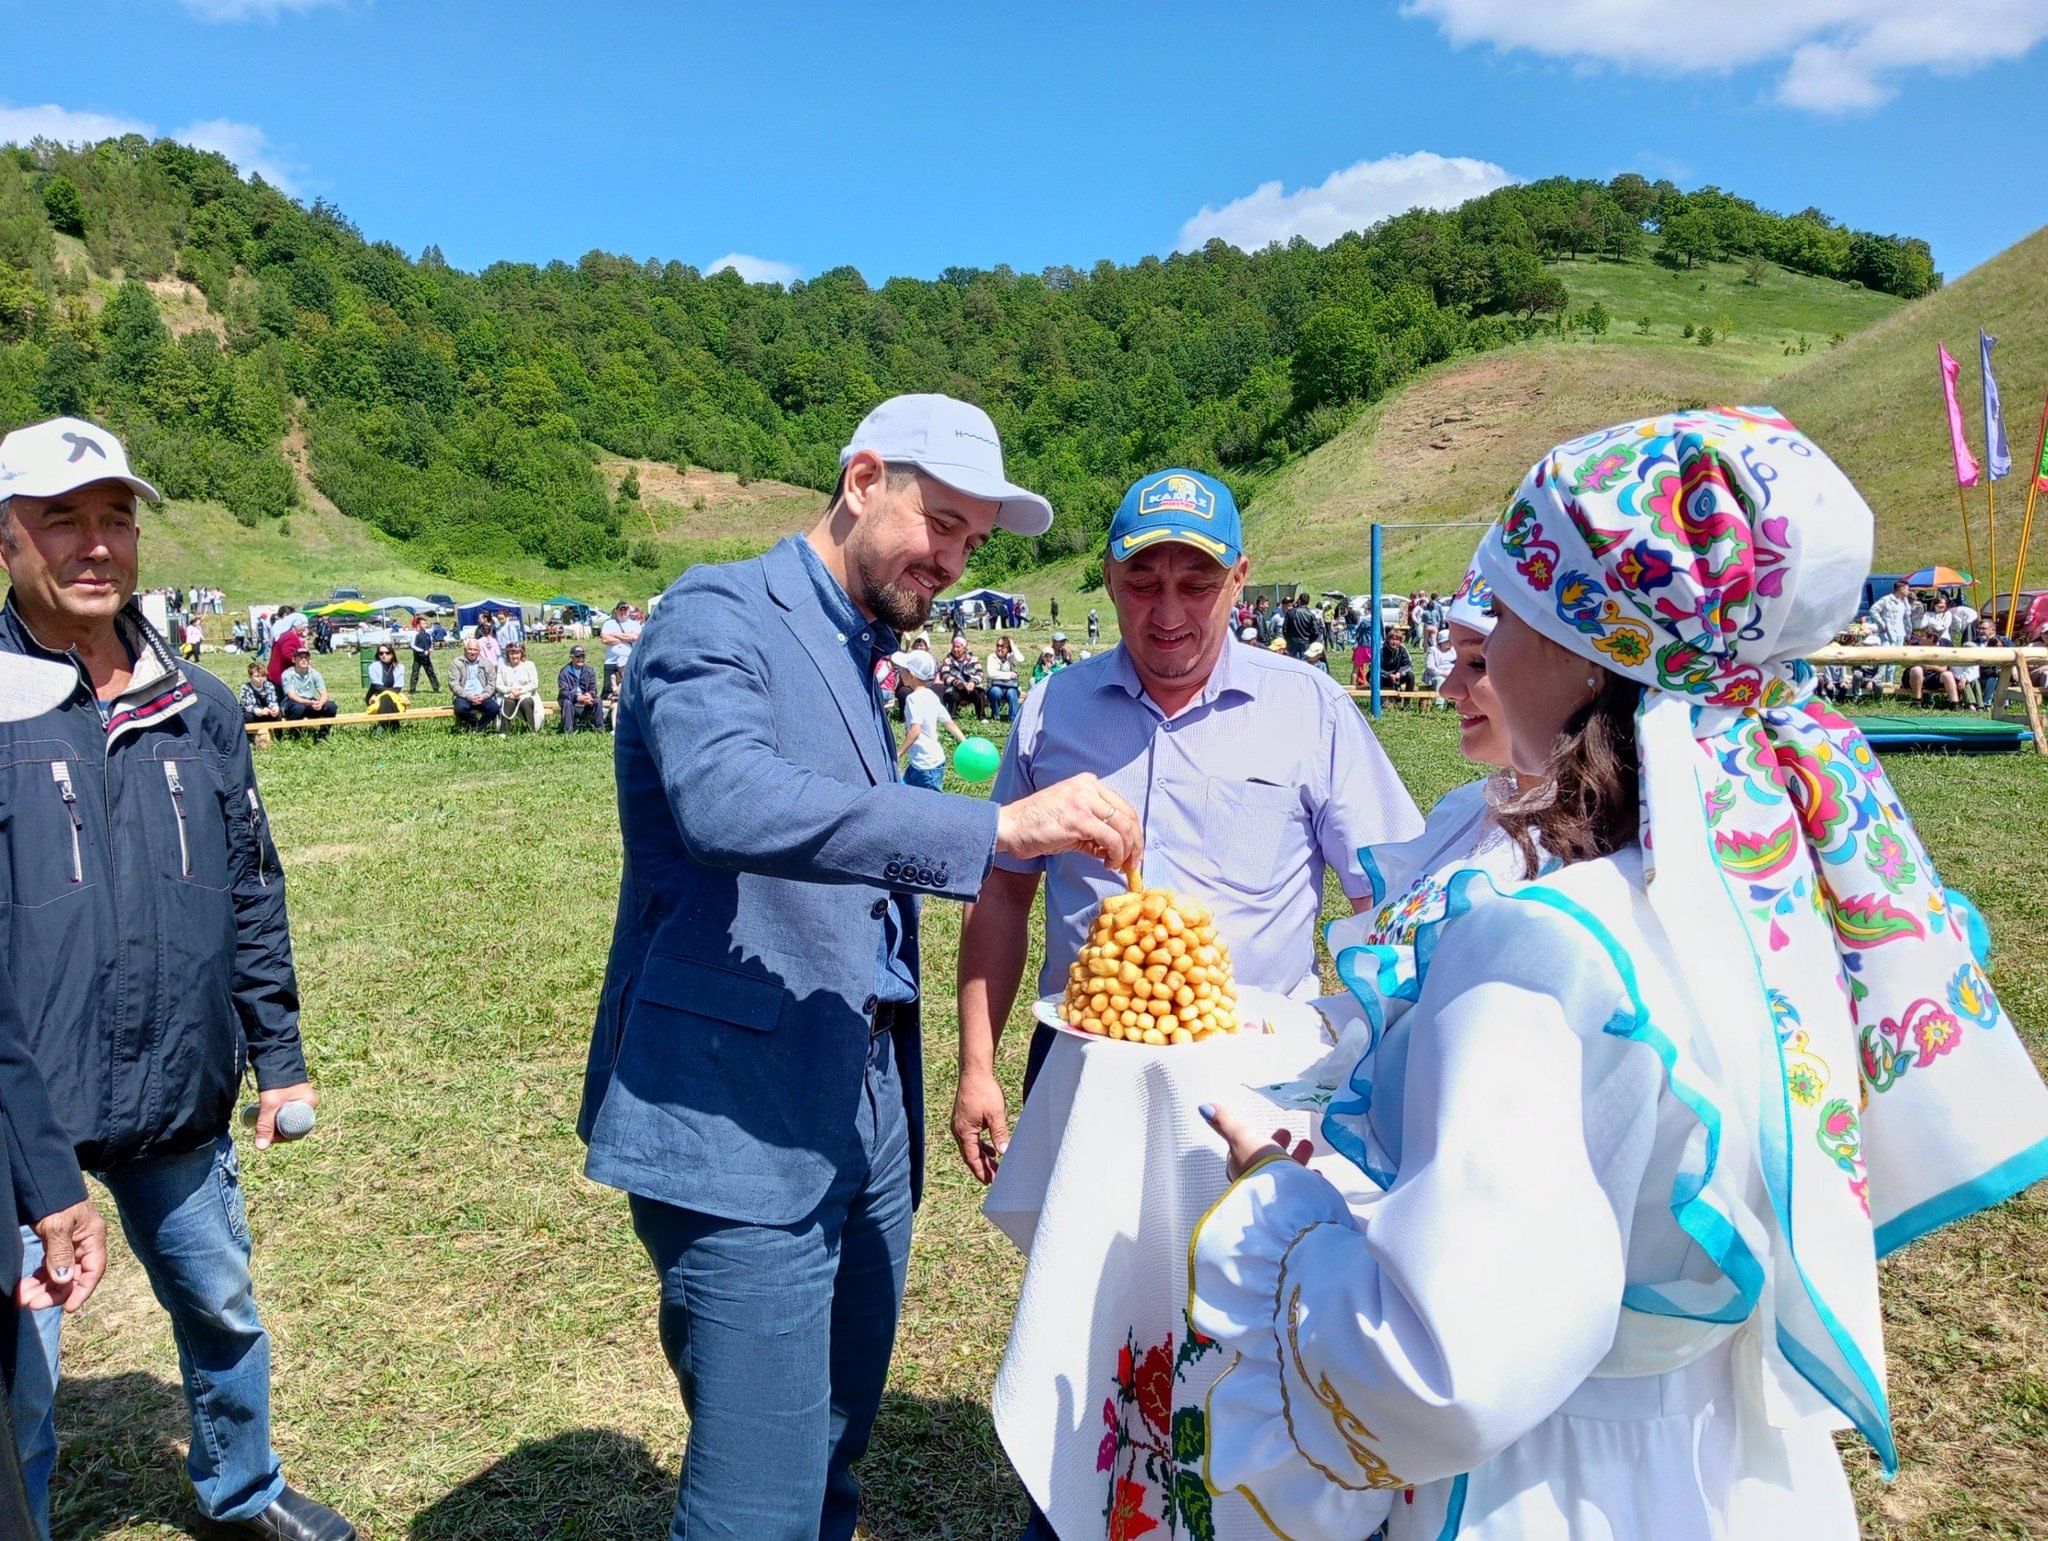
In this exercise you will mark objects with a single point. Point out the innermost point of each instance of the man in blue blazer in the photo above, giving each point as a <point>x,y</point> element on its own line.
<point>756,1078</point>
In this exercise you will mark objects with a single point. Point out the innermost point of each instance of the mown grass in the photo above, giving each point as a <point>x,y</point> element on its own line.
<point>464,1327</point>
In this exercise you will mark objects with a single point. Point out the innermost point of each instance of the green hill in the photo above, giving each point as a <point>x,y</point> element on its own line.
<point>1875,405</point>
<point>272,360</point>
<point>1450,445</point>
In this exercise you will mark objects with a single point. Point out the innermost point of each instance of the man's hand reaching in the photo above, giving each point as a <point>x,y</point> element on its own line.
<point>1078,814</point>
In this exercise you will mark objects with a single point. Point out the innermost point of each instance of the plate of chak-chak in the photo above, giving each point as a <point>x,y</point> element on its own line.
<point>1152,971</point>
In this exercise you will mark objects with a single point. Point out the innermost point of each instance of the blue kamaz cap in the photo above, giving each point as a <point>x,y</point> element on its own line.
<point>1183,506</point>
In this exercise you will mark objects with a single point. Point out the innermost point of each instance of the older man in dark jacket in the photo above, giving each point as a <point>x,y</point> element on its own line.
<point>144,925</point>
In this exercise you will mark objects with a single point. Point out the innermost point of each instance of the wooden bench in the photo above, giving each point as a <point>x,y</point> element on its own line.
<point>260,732</point>
<point>1420,698</point>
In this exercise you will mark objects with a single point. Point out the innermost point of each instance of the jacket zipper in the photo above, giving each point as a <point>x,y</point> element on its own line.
<point>61,774</point>
<point>256,831</point>
<point>178,801</point>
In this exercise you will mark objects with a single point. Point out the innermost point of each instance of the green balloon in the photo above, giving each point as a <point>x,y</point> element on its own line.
<point>976,759</point>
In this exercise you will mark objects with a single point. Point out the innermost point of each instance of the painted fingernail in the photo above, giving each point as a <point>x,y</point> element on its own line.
<point>1208,1111</point>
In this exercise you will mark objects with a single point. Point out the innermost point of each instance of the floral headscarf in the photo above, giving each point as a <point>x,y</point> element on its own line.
<point>1472,605</point>
<point>1704,554</point>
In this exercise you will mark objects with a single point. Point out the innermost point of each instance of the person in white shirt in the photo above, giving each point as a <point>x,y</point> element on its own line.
<point>1893,614</point>
<point>620,632</point>
<point>924,753</point>
<point>1004,688</point>
<point>1438,662</point>
<point>518,690</point>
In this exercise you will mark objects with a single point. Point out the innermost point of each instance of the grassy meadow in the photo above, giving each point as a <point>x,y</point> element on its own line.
<point>464,1327</point>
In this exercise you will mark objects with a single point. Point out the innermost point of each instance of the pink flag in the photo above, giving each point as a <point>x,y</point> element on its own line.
<point>1966,463</point>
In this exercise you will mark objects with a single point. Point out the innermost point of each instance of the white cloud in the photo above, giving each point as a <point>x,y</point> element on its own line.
<point>1351,199</point>
<point>251,10</point>
<point>758,270</point>
<point>1838,55</point>
<point>18,125</point>
<point>246,145</point>
<point>243,143</point>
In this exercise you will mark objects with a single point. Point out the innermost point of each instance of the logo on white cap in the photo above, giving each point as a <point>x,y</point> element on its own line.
<point>45,460</point>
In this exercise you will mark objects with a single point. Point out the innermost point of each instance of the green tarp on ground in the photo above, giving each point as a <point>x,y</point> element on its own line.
<point>1932,732</point>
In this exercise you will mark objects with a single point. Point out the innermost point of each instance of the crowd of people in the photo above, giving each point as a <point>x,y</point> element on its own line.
<point>1637,1143</point>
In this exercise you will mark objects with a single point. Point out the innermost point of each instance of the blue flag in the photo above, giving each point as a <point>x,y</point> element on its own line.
<point>1997,458</point>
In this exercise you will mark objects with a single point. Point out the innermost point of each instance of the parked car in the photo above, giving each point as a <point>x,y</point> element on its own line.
<point>346,594</point>
<point>443,603</point>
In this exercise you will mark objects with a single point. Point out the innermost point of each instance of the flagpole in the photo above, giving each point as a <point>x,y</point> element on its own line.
<point>1970,550</point>
<point>1991,534</point>
<point>1954,414</point>
<point>2019,566</point>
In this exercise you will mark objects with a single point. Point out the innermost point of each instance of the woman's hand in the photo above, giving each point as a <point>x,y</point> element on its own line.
<point>1248,1147</point>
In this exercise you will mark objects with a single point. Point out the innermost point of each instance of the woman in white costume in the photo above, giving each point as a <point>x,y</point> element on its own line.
<point>1645,1126</point>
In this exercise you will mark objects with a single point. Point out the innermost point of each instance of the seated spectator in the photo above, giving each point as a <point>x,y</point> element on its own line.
<point>305,692</point>
<point>518,690</point>
<point>613,695</point>
<point>259,696</point>
<point>576,693</point>
<point>1048,664</point>
<point>1438,662</point>
<point>1061,657</point>
<point>385,692</point>
<point>1979,681</point>
<point>961,682</point>
<point>1003,685</point>
<point>473,684</point>
<point>1397,669</point>
<point>1920,676</point>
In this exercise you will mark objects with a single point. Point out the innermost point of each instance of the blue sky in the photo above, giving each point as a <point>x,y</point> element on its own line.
<point>904,138</point>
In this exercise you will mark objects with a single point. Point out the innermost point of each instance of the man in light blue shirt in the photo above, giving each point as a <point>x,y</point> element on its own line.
<point>1251,772</point>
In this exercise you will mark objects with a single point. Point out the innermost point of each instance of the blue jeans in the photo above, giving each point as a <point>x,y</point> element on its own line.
<point>933,780</point>
<point>1002,699</point>
<point>184,1220</point>
<point>780,1336</point>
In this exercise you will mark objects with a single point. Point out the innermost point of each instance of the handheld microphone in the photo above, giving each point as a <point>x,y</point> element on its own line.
<point>294,1119</point>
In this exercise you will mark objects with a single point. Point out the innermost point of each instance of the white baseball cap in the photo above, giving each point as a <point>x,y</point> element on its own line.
<point>45,460</point>
<point>955,443</point>
<point>918,662</point>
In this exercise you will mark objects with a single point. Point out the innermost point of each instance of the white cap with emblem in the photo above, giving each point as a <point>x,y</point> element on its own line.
<point>45,460</point>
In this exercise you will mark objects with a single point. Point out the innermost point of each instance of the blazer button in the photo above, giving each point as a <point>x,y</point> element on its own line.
<point>879,908</point>
<point>868,1006</point>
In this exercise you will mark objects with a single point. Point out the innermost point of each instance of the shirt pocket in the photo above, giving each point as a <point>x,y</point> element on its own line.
<point>194,845</point>
<point>1254,834</point>
<point>43,831</point>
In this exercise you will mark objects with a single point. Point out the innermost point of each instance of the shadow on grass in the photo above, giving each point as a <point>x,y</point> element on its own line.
<point>586,1484</point>
<point>122,1459</point>
<point>935,1469</point>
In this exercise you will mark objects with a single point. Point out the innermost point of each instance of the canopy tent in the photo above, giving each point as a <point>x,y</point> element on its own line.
<point>564,603</point>
<point>342,607</point>
<point>470,614</point>
<point>984,595</point>
<point>410,602</point>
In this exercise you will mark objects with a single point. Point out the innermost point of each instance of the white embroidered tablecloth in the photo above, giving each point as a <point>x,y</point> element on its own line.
<point>1099,1401</point>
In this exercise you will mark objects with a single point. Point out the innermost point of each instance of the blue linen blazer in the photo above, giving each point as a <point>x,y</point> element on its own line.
<point>765,834</point>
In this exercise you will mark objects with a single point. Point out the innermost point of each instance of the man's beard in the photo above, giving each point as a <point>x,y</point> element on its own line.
<point>900,606</point>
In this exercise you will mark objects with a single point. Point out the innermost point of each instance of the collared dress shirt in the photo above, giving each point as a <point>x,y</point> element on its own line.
<point>1268,777</point>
